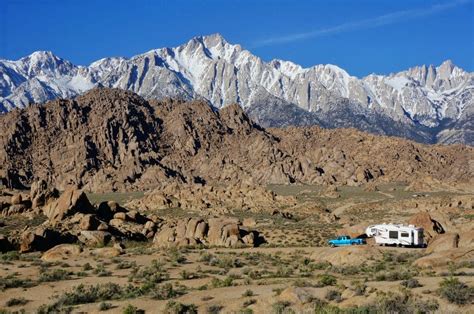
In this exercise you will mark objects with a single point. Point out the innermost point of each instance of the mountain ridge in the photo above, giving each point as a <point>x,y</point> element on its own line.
<point>425,103</point>
<point>114,140</point>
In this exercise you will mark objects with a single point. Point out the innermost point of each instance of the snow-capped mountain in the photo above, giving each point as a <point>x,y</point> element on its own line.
<point>426,103</point>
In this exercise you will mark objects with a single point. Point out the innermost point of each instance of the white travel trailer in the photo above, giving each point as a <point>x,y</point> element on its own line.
<point>396,234</point>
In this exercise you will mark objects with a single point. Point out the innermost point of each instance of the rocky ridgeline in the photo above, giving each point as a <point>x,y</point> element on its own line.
<point>113,140</point>
<point>71,218</point>
<point>212,199</point>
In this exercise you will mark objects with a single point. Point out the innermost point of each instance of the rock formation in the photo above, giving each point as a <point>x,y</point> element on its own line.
<point>108,140</point>
<point>72,219</point>
<point>214,231</point>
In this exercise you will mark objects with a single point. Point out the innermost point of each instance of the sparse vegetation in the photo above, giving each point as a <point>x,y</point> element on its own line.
<point>214,309</point>
<point>16,302</point>
<point>12,281</point>
<point>280,307</point>
<point>173,307</point>
<point>333,295</point>
<point>166,291</point>
<point>327,280</point>
<point>104,306</point>
<point>456,291</point>
<point>55,275</point>
<point>219,283</point>
<point>411,283</point>
<point>173,272</point>
<point>130,309</point>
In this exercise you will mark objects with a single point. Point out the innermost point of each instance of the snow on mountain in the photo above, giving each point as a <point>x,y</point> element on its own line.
<point>424,99</point>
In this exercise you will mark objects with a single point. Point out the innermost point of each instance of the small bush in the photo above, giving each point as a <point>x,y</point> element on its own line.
<point>284,272</point>
<point>320,265</point>
<point>104,306</point>
<point>302,283</point>
<point>411,283</point>
<point>333,295</point>
<point>101,271</point>
<point>403,303</point>
<point>214,309</point>
<point>151,275</point>
<point>217,283</point>
<point>455,291</point>
<point>280,307</point>
<point>248,293</point>
<point>277,291</point>
<point>50,308</point>
<point>55,275</point>
<point>175,256</point>
<point>130,309</point>
<point>16,301</point>
<point>173,307</point>
<point>165,292</point>
<point>394,276</point>
<point>327,280</point>
<point>125,265</point>
<point>188,275</point>
<point>358,287</point>
<point>86,267</point>
<point>205,257</point>
<point>10,256</point>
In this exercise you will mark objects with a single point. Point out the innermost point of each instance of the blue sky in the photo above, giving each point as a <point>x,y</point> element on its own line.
<point>362,36</point>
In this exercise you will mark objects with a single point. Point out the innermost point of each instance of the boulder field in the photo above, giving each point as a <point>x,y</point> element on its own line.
<point>71,219</point>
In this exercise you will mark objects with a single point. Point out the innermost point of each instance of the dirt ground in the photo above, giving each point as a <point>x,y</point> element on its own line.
<point>287,272</point>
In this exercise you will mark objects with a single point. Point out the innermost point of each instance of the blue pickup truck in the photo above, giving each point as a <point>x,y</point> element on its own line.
<point>345,240</point>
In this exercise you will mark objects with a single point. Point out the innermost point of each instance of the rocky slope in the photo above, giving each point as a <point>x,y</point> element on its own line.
<point>110,139</point>
<point>428,104</point>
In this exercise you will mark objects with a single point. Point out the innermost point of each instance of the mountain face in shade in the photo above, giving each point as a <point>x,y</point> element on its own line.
<point>426,103</point>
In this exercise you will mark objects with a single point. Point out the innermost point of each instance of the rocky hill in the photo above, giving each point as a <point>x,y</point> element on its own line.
<point>110,139</point>
<point>428,104</point>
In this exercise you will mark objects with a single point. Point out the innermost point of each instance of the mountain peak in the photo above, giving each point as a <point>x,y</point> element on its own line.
<point>447,62</point>
<point>211,40</point>
<point>447,65</point>
<point>215,38</point>
<point>41,55</point>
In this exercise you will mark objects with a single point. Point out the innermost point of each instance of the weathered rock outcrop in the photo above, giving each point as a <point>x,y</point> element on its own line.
<point>443,242</point>
<point>220,231</point>
<point>443,258</point>
<point>60,252</point>
<point>70,202</point>
<point>110,139</point>
<point>40,194</point>
<point>219,199</point>
<point>72,219</point>
<point>43,238</point>
<point>431,227</point>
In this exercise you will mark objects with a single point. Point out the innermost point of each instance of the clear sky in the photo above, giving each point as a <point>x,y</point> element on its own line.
<point>361,36</point>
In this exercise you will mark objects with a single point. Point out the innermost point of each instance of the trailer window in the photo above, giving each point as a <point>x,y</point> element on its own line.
<point>404,235</point>
<point>393,234</point>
